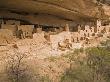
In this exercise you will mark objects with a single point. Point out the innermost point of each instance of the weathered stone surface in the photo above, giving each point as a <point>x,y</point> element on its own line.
<point>13,28</point>
<point>27,30</point>
<point>60,38</point>
<point>6,36</point>
<point>12,22</point>
<point>64,10</point>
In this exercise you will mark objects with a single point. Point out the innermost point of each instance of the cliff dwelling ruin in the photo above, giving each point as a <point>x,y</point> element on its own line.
<point>47,28</point>
<point>66,27</point>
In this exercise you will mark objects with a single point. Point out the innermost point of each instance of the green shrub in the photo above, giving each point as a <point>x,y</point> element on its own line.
<point>95,68</point>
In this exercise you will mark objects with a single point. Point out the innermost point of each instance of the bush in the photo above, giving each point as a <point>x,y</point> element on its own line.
<point>95,68</point>
<point>99,61</point>
<point>16,70</point>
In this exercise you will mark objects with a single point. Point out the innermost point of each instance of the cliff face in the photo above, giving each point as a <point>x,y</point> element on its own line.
<point>68,10</point>
<point>106,10</point>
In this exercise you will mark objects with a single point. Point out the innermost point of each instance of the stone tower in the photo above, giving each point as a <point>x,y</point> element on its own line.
<point>67,27</point>
<point>98,25</point>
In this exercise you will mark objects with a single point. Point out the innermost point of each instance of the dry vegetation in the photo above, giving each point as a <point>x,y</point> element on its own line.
<point>80,65</point>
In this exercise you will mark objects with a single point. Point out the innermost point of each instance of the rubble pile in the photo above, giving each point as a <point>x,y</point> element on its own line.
<point>36,46</point>
<point>38,38</point>
<point>60,39</point>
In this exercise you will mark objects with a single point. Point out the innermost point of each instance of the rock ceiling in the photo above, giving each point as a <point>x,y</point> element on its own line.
<point>49,10</point>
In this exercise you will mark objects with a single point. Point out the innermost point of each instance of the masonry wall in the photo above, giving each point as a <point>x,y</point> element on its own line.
<point>27,30</point>
<point>13,28</point>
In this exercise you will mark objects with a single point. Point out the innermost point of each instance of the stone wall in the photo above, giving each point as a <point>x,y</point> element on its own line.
<point>13,28</point>
<point>39,30</point>
<point>26,29</point>
<point>60,38</point>
<point>6,36</point>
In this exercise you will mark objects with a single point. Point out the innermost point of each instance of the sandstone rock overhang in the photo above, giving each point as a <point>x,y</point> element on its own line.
<point>49,11</point>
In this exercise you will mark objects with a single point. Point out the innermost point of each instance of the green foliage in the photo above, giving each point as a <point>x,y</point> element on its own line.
<point>95,68</point>
<point>99,61</point>
<point>52,59</point>
<point>73,55</point>
<point>77,51</point>
<point>45,79</point>
<point>106,43</point>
